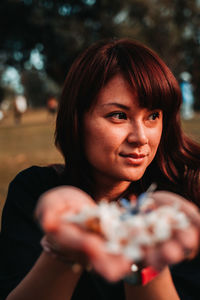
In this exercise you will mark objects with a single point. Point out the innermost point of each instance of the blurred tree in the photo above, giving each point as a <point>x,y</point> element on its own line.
<point>44,36</point>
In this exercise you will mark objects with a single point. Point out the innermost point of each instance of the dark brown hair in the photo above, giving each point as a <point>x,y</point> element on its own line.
<point>177,160</point>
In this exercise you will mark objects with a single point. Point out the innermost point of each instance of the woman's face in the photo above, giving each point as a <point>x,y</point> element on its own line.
<point>120,137</point>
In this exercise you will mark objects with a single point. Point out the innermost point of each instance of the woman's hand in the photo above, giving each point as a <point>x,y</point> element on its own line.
<point>184,243</point>
<point>85,247</point>
<point>72,241</point>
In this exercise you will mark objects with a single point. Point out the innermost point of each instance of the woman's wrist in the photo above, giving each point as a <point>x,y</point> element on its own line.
<point>51,250</point>
<point>140,276</point>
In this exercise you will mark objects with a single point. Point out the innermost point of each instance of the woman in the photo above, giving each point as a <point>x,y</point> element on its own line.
<point>118,129</point>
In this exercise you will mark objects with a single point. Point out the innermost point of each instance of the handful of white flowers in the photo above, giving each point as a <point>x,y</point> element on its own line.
<point>128,228</point>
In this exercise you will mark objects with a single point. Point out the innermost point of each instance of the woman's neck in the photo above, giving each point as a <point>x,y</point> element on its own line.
<point>110,191</point>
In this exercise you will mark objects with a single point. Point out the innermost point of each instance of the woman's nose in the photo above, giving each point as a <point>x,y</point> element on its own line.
<point>137,135</point>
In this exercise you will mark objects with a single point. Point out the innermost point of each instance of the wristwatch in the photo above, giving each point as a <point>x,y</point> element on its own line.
<point>140,276</point>
<point>134,278</point>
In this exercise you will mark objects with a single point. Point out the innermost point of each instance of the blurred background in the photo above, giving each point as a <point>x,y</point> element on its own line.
<point>39,39</point>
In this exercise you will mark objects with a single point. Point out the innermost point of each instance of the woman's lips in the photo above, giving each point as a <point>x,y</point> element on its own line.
<point>133,158</point>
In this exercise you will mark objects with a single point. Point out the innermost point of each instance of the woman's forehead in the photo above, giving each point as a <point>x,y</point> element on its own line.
<point>121,90</point>
<point>150,92</point>
<point>116,91</point>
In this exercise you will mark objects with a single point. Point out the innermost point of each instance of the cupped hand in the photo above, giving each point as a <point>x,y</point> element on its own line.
<point>184,243</point>
<point>72,241</point>
<point>86,247</point>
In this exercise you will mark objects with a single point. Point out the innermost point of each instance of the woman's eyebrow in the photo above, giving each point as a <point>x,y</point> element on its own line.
<point>117,104</point>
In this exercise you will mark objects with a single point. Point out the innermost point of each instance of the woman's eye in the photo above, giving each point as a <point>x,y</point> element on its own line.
<point>118,115</point>
<point>154,116</point>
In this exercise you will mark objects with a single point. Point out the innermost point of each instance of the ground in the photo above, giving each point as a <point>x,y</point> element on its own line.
<point>25,144</point>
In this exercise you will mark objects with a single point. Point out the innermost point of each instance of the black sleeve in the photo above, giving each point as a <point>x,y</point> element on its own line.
<point>186,278</point>
<point>20,235</point>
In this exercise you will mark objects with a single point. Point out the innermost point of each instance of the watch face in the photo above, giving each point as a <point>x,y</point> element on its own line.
<point>134,278</point>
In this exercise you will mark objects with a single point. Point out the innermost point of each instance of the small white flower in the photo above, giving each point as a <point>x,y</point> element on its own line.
<point>129,234</point>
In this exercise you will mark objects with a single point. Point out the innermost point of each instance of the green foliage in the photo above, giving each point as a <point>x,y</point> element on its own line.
<point>62,29</point>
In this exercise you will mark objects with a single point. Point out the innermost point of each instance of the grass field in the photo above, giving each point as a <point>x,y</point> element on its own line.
<point>31,143</point>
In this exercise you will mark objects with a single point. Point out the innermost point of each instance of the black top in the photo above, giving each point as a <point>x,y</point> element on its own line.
<point>20,243</point>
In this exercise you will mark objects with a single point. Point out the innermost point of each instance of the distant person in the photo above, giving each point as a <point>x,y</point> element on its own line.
<point>187,110</point>
<point>20,107</point>
<point>52,105</point>
<point>1,115</point>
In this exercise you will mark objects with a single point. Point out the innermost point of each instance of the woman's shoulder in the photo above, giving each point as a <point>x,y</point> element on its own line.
<point>28,185</point>
<point>46,175</point>
<point>36,180</point>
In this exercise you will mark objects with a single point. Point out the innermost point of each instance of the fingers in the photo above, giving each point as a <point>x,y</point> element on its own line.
<point>189,208</point>
<point>57,201</point>
<point>70,237</point>
<point>183,245</point>
<point>167,253</point>
<point>165,197</point>
<point>111,266</point>
<point>93,249</point>
<point>189,241</point>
